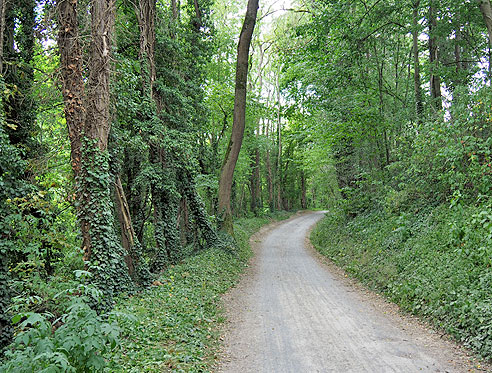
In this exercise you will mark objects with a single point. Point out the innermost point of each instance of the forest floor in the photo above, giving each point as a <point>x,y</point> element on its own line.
<point>294,311</point>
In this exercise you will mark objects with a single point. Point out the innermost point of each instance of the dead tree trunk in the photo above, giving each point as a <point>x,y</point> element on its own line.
<point>236,139</point>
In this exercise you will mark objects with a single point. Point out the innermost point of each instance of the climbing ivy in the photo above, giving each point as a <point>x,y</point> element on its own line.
<point>96,209</point>
<point>12,185</point>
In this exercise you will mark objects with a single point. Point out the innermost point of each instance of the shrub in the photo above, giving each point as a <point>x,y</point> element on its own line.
<point>75,342</point>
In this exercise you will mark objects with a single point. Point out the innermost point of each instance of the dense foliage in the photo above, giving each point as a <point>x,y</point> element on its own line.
<point>412,159</point>
<point>112,144</point>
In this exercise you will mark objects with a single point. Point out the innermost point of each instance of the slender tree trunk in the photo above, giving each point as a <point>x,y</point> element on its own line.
<point>269,175</point>
<point>128,237</point>
<point>486,10</point>
<point>146,13</point>
<point>174,8</point>
<point>3,4</point>
<point>303,191</point>
<point>258,178</point>
<point>252,184</point>
<point>419,107</point>
<point>236,139</point>
<point>279,138</point>
<point>435,80</point>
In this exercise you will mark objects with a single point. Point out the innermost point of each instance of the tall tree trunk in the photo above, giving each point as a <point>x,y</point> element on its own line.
<point>97,207</point>
<point>279,139</point>
<point>137,268</point>
<point>255,183</point>
<point>435,80</point>
<point>3,4</point>
<point>89,125</point>
<point>486,10</point>
<point>269,175</point>
<point>419,107</point>
<point>165,205</point>
<point>73,94</point>
<point>197,209</point>
<point>303,191</point>
<point>20,105</point>
<point>236,139</point>
<point>146,13</point>
<point>252,184</point>
<point>258,178</point>
<point>174,8</point>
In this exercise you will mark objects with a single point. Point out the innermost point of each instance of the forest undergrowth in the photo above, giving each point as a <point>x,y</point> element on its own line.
<point>176,325</point>
<point>433,262</point>
<point>173,325</point>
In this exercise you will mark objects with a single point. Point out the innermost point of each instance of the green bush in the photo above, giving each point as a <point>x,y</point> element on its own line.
<point>436,263</point>
<point>75,342</point>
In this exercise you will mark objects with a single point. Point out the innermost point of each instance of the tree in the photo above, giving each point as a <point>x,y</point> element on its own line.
<point>486,10</point>
<point>419,106</point>
<point>88,118</point>
<point>239,119</point>
<point>435,79</point>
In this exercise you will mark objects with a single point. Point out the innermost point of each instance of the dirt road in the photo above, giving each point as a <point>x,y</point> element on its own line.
<point>290,314</point>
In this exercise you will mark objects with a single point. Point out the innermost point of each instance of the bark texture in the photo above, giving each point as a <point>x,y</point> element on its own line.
<point>486,10</point>
<point>419,107</point>
<point>89,122</point>
<point>236,139</point>
<point>73,91</point>
<point>435,80</point>
<point>98,121</point>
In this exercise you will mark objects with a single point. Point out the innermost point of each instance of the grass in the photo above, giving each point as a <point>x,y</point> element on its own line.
<point>435,263</point>
<point>175,326</point>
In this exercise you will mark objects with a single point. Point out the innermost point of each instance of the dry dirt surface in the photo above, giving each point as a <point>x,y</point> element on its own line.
<point>293,313</point>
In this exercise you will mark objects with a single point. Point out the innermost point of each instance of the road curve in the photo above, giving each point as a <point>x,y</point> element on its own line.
<point>294,316</point>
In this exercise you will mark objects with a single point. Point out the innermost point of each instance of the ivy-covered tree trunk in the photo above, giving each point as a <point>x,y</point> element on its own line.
<point>164,201</point>
<point>236,139</point>
<point>137,268</point>
<point>89,123</point>
<point>103,251</point>
<point>165,206</point>
<point>6,330</point>
<point>197,209</point>
<point>18,52</point>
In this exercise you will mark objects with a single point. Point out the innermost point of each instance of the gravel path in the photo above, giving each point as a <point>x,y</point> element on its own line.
<point>292,313</point>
